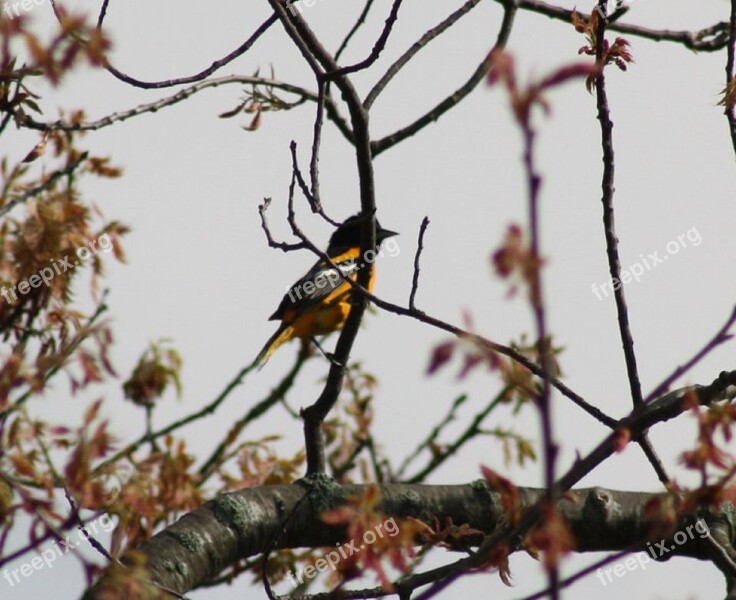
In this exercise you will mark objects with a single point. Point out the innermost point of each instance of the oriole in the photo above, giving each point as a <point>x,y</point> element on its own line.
<point>319,302</point>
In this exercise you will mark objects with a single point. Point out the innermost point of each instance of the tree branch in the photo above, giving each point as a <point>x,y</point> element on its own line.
<point>377,47</point>
<point>458,95</point>
<point>710,39</point>
<point>730,109</point>
<point>331,108</point>
<point>321,61</point>
<point>216,65</point>
<point>242,524</point>
<point>430,35</point>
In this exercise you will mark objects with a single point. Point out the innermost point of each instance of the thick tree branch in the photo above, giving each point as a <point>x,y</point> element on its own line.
<point>643,417</point>
<point>242,524</point>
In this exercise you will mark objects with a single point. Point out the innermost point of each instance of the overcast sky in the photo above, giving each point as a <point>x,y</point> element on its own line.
<point>200,272</point>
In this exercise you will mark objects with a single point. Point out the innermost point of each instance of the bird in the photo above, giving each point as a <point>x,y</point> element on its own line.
<point>319,302</point>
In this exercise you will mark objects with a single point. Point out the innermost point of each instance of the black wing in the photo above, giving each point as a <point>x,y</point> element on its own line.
<point>319,282</point>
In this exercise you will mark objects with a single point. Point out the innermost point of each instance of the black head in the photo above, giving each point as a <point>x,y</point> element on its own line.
<point>348,233</point>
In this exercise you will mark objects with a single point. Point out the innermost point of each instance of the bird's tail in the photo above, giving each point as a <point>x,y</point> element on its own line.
<point>283,334</point>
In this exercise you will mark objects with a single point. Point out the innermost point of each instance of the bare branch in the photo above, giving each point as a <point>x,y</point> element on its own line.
<point>458,95</point>
<point>320,60</point>
<point>473,429</point>
<point>609,227</point>
<point>430,35</point>
<point>216,65</point>
<point>207,410</point>
<point>710,39</point>
<point>720,337</point>
<point>316,140</point>
<point>50,180</point>
<point>377,47</point>
<point>244,523</point>
<point>491,346</point>
<point>730,108</point>
<point>152,107</point>
<point>286,247</point>
<point>102,14</point>
<point>417,256</point>
<point>354,29</point>
<point>637,422</point>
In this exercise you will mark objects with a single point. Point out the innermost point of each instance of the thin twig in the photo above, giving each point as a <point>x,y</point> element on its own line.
<point>100,309</point>
<point>275,539</point>
<point>331,108</point>
<point>50,180</point>
<point>709,39</point>
<point>216,65</point>
<point>286,247</point>
<point>316,139</point>
<point>536,298</point>
<point>83,529</point>
<point>191,418</point>
<point>354,29</point>
<point>458,95</point>
<point>719,338</point>
<point>417,256</point>
<point>430,35</point>
<point>103,13</point>
<point>377,47</point>
<point>273,397</point>
<point>489,345</point>
<point>432,436</point>
<point>609,226</point>
<point>473,429</point>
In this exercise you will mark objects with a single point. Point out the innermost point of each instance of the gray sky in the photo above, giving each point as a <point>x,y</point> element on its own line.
<point>200,272</point>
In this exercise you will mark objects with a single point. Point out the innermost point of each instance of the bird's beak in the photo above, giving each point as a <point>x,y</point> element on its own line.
<point>383,234</point>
